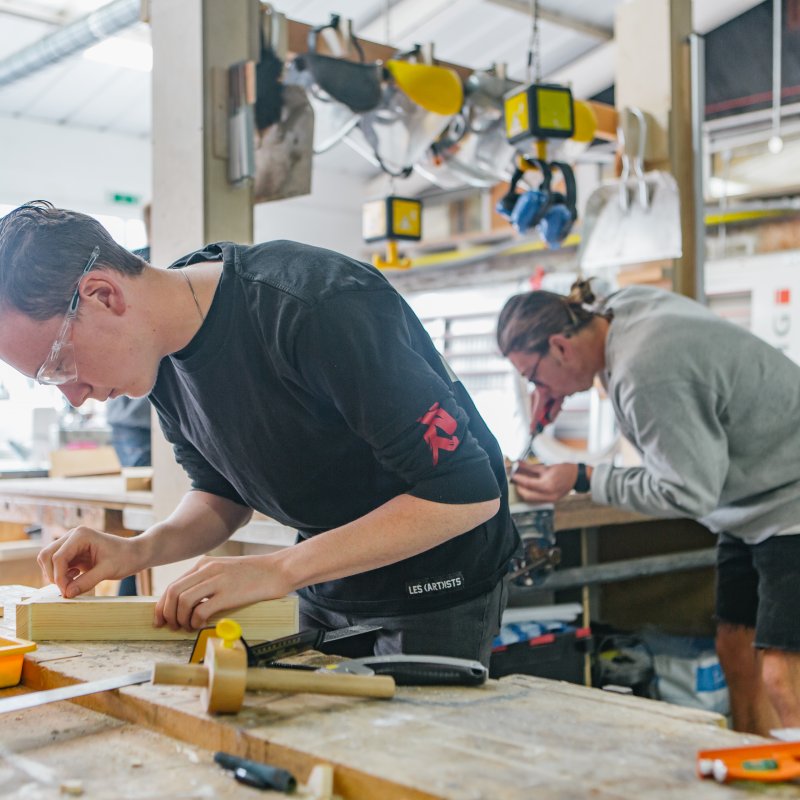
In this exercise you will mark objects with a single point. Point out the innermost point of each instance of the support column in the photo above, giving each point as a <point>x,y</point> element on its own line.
<point>194,42</point>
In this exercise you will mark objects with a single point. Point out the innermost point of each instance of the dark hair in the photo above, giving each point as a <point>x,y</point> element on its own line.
<point>42,252</point>
<point>528,320</point>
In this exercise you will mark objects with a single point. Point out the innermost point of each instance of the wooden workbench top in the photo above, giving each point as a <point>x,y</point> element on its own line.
<point>47,749</point>
<point>508,740</point>
<point>107,490</point>
<point>573,511</point>
<point>579,511</point>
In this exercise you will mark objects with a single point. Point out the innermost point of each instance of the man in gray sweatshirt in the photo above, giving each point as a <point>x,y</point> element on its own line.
<point>714,412</point>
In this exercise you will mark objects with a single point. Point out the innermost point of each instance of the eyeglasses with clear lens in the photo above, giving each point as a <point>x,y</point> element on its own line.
<point>532,377</point>
<point>60,366</point>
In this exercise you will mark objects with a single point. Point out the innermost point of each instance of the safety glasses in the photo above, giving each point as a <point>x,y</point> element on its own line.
<point>60,367</point>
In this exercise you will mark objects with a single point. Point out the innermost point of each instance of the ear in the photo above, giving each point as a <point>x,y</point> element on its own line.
<point>104,289</point>
<point>561,347</point>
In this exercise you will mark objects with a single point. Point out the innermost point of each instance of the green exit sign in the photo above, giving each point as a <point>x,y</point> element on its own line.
<point>125,199</point>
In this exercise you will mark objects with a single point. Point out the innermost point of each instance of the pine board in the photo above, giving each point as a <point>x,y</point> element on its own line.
<point>48,746</point>
<point>512,739</point>
<point>131,619</point>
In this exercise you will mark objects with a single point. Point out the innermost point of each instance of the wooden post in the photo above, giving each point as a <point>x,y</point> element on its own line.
<point>653,73</point>
<point>194,42</point>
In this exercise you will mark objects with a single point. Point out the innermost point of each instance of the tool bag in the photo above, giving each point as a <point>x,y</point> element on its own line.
<point>625,660</point>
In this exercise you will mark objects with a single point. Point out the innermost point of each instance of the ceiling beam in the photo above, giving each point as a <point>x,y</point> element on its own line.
<point>569,21</point>
<point>15,8</point>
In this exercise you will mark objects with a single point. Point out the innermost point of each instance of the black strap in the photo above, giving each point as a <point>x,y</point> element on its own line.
<point>582,482</point>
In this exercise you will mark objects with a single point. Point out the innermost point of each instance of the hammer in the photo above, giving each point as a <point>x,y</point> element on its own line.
<point>225,676</point>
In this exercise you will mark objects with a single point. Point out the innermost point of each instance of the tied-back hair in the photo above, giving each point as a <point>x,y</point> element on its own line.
<point>42,252</point>
<point>528,320</point>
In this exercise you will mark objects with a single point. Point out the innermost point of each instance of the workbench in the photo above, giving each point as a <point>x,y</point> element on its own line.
<point>59,504</point>
<point>56,505</point>
<point>511,739</point>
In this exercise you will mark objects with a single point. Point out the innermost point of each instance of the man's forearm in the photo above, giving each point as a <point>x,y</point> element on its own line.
<point>200,523</point>
<point>399,529</point>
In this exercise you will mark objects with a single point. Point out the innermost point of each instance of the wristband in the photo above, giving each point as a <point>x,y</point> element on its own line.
<point>582,482</point>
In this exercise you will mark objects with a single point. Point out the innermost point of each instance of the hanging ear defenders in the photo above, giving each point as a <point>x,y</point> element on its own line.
<point>560,215</point>
<point>526,209</point>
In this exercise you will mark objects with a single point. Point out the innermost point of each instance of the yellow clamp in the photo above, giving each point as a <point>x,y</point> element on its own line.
<point>541,154</point>
<point>229,631</point>
<point>393,260</point>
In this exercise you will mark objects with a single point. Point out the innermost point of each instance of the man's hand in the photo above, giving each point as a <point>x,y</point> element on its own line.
<point>214,585</point>
<point>78,561</point>
<point>537,483</point>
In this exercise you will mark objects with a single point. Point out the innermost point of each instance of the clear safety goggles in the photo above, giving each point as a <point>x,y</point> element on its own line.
<point>60,366</point>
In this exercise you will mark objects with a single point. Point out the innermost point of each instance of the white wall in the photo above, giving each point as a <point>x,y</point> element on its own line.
<point>74,168</point>
<point>80,168</point>
<point>329,217</point>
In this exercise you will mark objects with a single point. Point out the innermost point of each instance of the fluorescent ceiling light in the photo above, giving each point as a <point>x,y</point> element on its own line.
<point>121,52</point>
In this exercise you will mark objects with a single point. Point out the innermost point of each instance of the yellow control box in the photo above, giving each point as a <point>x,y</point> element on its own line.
<point>392,217</point>
<point>539,111</point>
<point>12,652</point>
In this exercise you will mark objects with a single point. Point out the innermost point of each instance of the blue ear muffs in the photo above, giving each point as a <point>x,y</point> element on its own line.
<point>557,221</point>
<point>526,209</point>
<point>529,209</point>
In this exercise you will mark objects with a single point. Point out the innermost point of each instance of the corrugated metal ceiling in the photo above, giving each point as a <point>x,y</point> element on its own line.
<point>475,33</point>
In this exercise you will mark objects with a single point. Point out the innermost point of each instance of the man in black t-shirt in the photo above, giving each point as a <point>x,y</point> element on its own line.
<point>291,380</point>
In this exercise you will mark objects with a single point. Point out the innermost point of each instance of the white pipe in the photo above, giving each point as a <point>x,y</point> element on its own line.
<point>777,27</point>
<point>67,41</point>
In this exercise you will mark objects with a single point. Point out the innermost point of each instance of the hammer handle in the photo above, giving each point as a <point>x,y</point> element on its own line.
<point>282,680</point>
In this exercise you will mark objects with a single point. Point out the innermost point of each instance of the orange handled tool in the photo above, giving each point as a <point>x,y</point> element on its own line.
<point>528,451</point>
<point>767,763</point>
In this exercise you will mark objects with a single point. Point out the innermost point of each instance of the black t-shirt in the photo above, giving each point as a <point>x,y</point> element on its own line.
<point>313,394</point>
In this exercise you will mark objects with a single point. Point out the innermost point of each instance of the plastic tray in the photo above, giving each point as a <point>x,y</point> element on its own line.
<point>12,652</point>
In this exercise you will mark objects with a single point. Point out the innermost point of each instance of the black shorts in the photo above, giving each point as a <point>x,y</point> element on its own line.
<point>758,586</point>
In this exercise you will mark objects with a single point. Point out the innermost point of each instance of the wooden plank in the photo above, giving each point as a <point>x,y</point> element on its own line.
<point>18,563</point>
<point>21,549</point>
<point>105,491</point>
<point>578,511</point>
<point>138,479</point>
<point>12,531</point>
<point>512,739</point>
<point>607,119</point>
<point>131,619</point>
<point>63,744</point>
<point>65,463</point>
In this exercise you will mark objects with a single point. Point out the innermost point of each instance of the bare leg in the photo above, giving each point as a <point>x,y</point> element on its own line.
<point>751,707</point>
<point>781,673</point>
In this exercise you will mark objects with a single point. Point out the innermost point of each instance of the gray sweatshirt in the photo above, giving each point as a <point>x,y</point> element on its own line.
<point>714,412</point>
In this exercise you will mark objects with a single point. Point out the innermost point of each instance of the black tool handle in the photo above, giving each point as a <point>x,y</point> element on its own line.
<point>427,670</point>
<point>253,773</point>
<point>259,655</point>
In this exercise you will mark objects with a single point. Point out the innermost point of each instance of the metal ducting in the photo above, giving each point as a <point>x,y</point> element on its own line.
<point>67,41</point>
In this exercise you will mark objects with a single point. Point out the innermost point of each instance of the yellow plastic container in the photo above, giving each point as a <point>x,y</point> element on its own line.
<point>12,652</point>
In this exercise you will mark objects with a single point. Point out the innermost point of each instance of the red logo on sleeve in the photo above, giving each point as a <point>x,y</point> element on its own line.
<point>440,430</point>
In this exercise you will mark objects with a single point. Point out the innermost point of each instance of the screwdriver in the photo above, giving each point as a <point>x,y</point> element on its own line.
<point>540,425</point>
